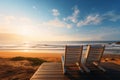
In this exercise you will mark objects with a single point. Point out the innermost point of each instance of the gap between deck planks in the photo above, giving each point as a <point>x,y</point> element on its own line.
<point>50,71</point>
<point>53,71</point>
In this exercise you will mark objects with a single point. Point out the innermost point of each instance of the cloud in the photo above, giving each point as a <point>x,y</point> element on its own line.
<point>8,37</point>
<point>96,19</point>
<point>91,19</point>
<point>14,24</point>
<point>74,16</point>
<point>55,12</point>
<point>55,23</point>
<point>103,33</point>
<point>25,20</point>
<point>112,16</point>
<point>108,33</point>
<point>9,19</point>
<point>6,19</point>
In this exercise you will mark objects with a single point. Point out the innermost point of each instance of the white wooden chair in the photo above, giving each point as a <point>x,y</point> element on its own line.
<point>93,57</point>
<point>72,57</point>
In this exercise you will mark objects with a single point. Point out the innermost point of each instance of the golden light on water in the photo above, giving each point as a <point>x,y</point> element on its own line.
<point>25,50</point>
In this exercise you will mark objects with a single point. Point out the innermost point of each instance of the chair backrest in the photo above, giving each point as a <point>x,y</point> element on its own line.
<point>73,54</point>
<point>94,53</point>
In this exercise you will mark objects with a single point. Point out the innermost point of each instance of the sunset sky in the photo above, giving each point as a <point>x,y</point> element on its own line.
<point>59,20</point>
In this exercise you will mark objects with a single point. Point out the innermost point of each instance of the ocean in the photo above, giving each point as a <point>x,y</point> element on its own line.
<point>57,46</point>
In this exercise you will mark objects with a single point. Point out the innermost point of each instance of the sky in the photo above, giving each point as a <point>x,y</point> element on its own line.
<point>59,20</point>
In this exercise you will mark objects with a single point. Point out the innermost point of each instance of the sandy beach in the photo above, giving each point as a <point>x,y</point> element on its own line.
<point>23,69</point>
<point>29,54</point>
<point>46,56</point>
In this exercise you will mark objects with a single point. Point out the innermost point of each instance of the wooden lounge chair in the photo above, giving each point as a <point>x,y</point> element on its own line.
<point>72,57</point>
<point>93,57</point>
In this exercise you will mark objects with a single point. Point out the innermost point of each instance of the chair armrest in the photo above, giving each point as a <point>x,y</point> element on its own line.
<point>63,64</point>
<point>62,59</point>
<point>85,68</point>
<point>79,67</point>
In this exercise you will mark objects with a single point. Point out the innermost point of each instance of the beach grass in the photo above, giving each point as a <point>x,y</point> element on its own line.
<point>18,58</point>
<point>23,66</point>
<point>33,61</point>
<point>19,67</point>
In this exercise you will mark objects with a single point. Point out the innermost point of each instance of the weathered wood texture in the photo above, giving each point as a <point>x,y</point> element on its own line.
<point>49,71</point>
<point>53,71</point>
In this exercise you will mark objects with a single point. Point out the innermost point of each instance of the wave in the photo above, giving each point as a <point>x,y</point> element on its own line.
<point>111,47</point>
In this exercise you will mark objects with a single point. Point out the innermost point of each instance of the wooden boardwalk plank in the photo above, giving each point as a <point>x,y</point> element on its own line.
<point>49,72</point>
<point>53,71</point>
<point>51,79</point>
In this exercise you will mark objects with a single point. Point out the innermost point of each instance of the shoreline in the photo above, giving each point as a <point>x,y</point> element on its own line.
<point>7,54</point>
<point>29,54</point>
<point>54,57</point>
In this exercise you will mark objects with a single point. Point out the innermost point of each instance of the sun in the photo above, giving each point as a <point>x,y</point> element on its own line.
<point>25,50</point>
<point>26,31</point>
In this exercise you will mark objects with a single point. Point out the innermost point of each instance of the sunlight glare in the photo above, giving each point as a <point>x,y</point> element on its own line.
<point>26,32</point>
<point>25,50</point>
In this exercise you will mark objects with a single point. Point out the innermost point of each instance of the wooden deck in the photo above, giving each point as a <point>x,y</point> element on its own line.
<point>49,71</point>
<point>53,71</point>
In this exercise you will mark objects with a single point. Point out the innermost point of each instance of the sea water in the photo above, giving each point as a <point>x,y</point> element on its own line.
<point>57,46</point>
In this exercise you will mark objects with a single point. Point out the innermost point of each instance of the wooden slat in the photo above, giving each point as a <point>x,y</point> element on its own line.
<point>56,78</point>
<point>73,52</point>
<point>49,72</point>
<point>73,73</point>
<point>72,60</point>
<point>54,71</point>
<point>51,79</point>
<point>41,70</point>
<point>72,49</point>
<point>49,76</point>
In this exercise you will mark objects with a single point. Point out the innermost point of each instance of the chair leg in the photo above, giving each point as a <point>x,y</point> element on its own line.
<point>99,66</point>
<point>85,68</point>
